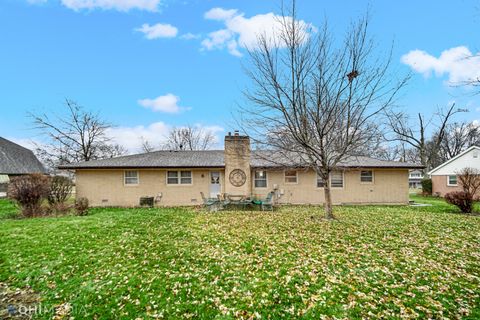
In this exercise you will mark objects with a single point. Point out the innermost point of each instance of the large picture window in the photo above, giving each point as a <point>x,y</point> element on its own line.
<point>260,179</point>
<point>131,177</point>
<point>179,177</point>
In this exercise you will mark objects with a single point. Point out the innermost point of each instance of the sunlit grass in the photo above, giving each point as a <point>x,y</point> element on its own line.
<point>374,261</point>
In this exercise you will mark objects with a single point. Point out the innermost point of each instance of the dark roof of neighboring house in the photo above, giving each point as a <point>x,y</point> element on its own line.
<point>15,159</point>
<point>215,159</point>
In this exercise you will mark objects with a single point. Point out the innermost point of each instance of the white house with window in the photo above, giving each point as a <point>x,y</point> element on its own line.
<point>445,176</point>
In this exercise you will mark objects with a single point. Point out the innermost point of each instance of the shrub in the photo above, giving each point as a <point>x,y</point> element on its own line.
<point>81,206</point>
<point>60,189</point>
<point>29,191</point>
<point>461,199</point>
<point>427,186</point>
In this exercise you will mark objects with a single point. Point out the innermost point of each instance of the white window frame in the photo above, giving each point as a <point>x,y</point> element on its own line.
<point>367,182</point>
<point>179,178</point>
<point>285,177</point>
<point>448,180</point>
<point>255,179</point>
<point>343,180</point>
<point>125,178</point>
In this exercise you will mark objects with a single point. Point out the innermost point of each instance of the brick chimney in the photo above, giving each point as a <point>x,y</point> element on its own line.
<point>237,164</point>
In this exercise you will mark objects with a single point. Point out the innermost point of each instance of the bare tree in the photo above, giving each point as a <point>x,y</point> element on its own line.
<point>189,138</point>
<point>416,133</point>
<point>469,179</point>
<point>78,135</point>
<point>459,136</point>
<point>314,102</point>
<point>146,147</point>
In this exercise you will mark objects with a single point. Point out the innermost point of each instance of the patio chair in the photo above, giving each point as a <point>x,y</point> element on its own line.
<point>213,204</point>
<point>267,203</point>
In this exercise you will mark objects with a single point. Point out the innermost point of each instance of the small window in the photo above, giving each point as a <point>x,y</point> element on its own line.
<point>185,177</point>
<point>336,179</point>
<point>320,181</point>
<point>179,177</point>
<point>291,176</point>
<point>366,176</point>
<point>260,179</point>
<point>172,177</point>
<point>452,181</point>
<point>131,177</point>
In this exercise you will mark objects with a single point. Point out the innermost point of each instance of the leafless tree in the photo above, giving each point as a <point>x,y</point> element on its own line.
<point>416,132</point>
<point>458,137</point>
<point>77,135</point>
<point>314,100</point>
<point>189,138</point>
<point>146,145</point>
<point>469,179</point>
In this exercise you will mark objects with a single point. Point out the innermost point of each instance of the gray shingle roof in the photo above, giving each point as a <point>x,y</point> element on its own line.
<point>213,159</point>
<point>15,159</point>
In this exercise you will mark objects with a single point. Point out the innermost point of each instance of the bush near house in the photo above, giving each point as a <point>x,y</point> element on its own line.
<point>469,180</point>
<point>427,186</point>
<point>29,191</point>
<point>147,263</point>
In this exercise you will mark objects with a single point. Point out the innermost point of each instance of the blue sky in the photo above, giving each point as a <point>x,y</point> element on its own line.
<point>148,65</point>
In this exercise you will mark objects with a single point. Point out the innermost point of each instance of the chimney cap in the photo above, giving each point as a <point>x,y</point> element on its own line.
<point>236,132</point>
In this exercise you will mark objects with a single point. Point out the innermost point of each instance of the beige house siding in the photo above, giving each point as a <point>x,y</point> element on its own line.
<point>105,187</point>
<point>389,186</point>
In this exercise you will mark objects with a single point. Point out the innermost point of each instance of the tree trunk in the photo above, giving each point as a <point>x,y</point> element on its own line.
<point>328,202</point>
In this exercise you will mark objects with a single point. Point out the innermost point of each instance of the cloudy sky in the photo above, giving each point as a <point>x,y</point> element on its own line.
<point>148,65</point>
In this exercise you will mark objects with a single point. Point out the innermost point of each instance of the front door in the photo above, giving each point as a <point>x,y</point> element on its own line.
<point>215,188</point>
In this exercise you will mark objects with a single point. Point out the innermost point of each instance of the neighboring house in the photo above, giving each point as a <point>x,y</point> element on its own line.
<point>178,177</point>
<point>16,160</point>
<point>444,177</point>
<point>415,179</point>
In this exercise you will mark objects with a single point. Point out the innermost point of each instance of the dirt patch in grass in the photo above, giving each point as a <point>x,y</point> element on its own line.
<point>17,303</point>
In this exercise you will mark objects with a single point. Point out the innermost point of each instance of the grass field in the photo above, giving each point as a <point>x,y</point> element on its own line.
<point>401,262</point>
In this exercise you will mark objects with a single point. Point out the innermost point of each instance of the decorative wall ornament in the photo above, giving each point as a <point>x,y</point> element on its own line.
<point>237,177</point>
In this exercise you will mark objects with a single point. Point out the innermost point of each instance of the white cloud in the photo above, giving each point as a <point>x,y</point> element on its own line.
<point>190,36</point>
<point>156,134</point>
<point>220,14</point>
<point>131,137</point>
<point>158,30</point>
<point>459,63</point>
<point>242,32</point>
<point>167,103</point>
<point>120,5</point>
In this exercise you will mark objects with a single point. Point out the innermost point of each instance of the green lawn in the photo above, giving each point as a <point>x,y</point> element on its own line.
<point>401,262</point>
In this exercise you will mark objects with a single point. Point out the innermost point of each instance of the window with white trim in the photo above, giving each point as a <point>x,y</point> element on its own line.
<point>336,179</point>
<point>260,179</point>
<point>452,181</point>
<point>320,182</point>
<point>291,176</point>
<point>131,177</point>
<point>179,177</point>
<point>366,176</point>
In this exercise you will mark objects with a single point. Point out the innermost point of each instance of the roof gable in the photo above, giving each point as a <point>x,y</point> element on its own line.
<point>465,159</point>
<point>15,159</point>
